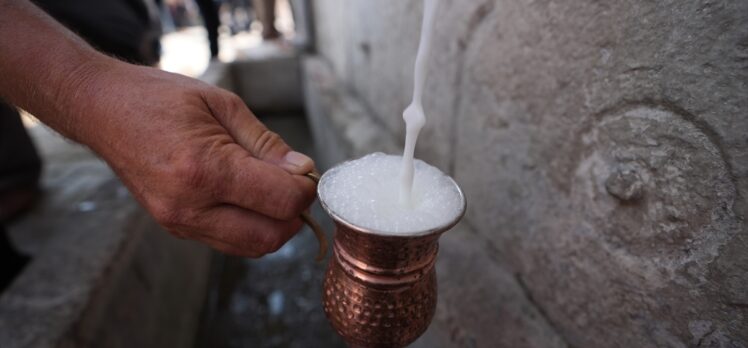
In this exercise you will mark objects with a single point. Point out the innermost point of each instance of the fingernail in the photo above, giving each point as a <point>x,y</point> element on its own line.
<point>298,160</point>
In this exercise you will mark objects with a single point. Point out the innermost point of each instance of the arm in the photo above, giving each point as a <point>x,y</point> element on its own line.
<point>192,154</point>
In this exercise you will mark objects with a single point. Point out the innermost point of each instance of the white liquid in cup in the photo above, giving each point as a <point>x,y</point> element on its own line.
<point>365,193</point>
<point>393,195</point>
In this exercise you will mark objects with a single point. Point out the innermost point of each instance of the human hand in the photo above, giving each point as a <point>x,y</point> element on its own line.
<point>195,157</point>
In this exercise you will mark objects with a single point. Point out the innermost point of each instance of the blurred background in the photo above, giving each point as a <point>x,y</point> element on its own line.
<point>601,146</point>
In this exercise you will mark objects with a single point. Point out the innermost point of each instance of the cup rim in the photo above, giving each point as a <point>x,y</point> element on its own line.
<point>436,230</point>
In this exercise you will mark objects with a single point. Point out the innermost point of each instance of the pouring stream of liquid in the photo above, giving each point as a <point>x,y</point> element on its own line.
<point>413,115</point>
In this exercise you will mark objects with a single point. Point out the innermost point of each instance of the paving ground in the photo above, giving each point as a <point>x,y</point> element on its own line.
<point>274,301</point>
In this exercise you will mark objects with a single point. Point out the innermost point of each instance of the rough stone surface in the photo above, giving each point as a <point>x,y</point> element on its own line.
<point>270,82</point>
<point>342,126</point>
<point>498,313</point>
<point>601,145</point>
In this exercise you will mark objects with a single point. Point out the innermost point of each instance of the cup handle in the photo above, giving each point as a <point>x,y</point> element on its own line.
<point>316,228</point>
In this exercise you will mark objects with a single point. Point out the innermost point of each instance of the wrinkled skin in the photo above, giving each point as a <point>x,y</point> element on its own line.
<point>192,154</point>
<point>199,160</point>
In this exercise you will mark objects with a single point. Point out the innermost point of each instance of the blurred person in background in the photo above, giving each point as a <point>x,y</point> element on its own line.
<point>265,10</point>
<point>20,169</point>
<point>237,15</point>
<point>127,29</point>
<point>211,21</point>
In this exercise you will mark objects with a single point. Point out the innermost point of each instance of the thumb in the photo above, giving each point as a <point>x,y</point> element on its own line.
<point>270,147</point>
<point>253,135</point>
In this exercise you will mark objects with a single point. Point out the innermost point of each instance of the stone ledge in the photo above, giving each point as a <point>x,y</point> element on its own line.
<point>341,125</point>
<point>269,82</point>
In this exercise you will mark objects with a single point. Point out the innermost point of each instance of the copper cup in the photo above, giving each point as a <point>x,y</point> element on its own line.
<point>380,290</point>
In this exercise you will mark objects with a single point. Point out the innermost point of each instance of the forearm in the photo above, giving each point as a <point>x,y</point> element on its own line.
<point>45,68</point>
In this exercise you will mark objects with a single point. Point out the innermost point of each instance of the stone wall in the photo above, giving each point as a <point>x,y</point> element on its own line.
<point>602,146</point>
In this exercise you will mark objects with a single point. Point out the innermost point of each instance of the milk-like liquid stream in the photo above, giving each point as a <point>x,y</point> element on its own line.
<point>413,115</point>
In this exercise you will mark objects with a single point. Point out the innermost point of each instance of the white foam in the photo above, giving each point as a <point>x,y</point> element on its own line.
<point>365,192</point>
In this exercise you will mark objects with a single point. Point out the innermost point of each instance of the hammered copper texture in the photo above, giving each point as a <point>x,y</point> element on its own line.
<point>380,291</point>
